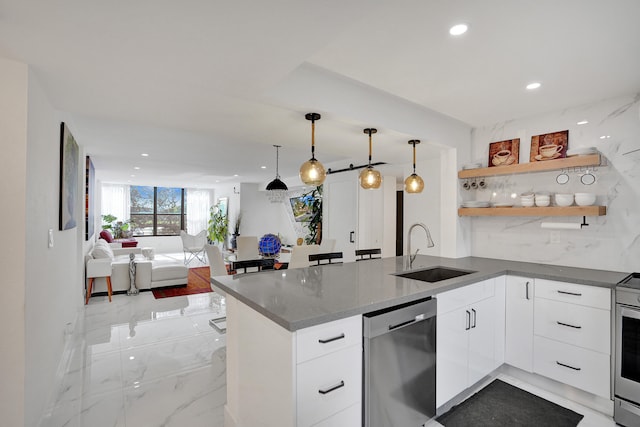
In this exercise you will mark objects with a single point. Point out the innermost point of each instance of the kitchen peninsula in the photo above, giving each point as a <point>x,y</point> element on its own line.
<point>276,319</point>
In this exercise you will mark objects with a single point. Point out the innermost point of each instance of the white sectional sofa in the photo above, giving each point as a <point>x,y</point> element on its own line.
<point>150,273</point>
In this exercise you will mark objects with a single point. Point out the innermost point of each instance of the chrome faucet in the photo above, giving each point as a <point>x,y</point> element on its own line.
<point>430,243</point>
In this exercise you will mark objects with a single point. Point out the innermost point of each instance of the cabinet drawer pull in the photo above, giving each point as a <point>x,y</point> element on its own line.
<point>333,388</point>
<point>468,324</point>
<point>568,325</point>
<point>527,290</point>
<point>570,293</point>
<point>474,318</point>
<point>339,337</point>
<point>569,366</point>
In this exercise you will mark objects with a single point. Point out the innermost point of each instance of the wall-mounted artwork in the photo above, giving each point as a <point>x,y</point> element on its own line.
<point>549,146</point>
<point>89,199</point>
<point>504,153</point>
<point>69,158</point>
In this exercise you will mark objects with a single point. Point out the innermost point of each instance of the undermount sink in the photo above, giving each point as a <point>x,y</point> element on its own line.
<point>435,274</point>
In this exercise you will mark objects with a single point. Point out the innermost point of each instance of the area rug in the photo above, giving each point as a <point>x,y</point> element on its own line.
<point>197,283</point>
<point>501,404</point>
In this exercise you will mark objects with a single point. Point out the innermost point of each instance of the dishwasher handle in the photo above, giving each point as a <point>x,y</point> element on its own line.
<point>395,318</point>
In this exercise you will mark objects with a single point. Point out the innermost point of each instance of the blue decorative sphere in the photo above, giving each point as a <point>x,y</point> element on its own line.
<point>269,245</point>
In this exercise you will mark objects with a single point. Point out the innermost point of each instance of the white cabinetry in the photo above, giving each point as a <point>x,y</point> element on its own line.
<point>311,377</point>
<point>358,218</point>
<point>470,329</point>
<point>572,335</point>
<point>519,322</point>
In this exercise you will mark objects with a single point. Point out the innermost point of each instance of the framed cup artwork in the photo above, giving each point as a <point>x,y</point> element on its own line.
<point>549,146</point>
<point>504,153</point>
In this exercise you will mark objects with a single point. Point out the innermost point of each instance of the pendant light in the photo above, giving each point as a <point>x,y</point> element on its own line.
<point>277,188</point>
<point>369,177</point>
<point>312,172</point>
<point>413,183</point>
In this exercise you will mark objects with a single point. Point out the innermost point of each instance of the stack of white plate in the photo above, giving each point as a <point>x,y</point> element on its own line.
<point>475,204</point>
<point>582,151</point>
<point>472,166</point>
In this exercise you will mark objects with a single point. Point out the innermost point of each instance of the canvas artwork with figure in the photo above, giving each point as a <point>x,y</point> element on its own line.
<point>68,178</point>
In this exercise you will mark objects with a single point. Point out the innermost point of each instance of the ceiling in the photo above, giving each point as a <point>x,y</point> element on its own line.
<point>199,84</point>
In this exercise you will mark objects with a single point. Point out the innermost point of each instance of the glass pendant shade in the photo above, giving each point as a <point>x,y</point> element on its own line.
<point>312,172</point>
<point>413,183</point>
<point>370,179</point>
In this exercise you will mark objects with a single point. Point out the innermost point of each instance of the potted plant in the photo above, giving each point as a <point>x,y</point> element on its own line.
<point>218,226</point>
<point>315,223</point>
<point>236,230</point>
<point>120,229</point>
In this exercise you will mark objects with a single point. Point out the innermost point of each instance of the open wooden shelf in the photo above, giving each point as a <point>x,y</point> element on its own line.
<point>569,162</point>
<point>536,211</point>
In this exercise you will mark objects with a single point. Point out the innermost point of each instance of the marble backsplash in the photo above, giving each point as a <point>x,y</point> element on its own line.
<point>610,242</point>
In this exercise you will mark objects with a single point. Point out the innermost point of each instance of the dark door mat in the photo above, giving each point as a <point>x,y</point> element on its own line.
<point>501,404</point>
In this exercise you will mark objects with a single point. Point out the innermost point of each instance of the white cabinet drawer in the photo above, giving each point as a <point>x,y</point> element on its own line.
<point>591,296</point>
<point>323,339</point>
<point>461,297</point>
<point>350,417</point>
<point>584,369</point>
<point>585,327</point>
<point>326,385</point>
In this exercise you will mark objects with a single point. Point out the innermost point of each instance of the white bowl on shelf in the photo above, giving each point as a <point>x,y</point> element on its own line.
<point>585,199</point>
<point>564,199</point>
<point>543,202</point>
<point>527,203</point>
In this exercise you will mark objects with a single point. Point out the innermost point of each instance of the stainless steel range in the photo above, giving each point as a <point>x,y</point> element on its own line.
<point>627,377</point>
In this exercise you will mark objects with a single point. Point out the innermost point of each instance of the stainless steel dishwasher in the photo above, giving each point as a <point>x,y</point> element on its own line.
<point>400,365</point>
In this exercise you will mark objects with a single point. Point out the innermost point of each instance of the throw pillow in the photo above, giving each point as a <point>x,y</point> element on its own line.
<point>102,250</point>
<point>106,235</point>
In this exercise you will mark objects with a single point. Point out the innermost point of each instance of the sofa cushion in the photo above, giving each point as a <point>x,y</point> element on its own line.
<point>106,235</point>
<point>102,250</point>
<point>168,271</point>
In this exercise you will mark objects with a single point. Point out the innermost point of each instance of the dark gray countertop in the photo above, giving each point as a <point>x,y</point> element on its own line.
<point>300,298</point>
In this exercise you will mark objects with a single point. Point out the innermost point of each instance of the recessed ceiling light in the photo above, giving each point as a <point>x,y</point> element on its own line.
<point>582,122</point>
<point>235,175</point>
<point>534,85</point>
<point>132,176</point>
<point>263,167</point>
<point>144,155</point>
<point>458,29</point>
<point>217,180</point>
<point>136,167</point>
<point>605,137</point>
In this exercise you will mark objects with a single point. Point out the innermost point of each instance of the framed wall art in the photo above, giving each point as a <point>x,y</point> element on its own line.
<point>69,158</point>
<point>89,199</point>
<point>549,146</point>
<point>504,153</point>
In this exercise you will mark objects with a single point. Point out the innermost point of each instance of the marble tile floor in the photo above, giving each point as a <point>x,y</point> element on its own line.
<point>139,361</point>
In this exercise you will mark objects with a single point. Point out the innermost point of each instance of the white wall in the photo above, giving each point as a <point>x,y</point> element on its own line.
<point>13,172</point>
<point>54,286</point>
<point>425,208</point>
<point>610,242</point>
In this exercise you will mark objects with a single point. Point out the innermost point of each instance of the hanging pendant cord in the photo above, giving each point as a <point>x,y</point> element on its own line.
<point>313,139</point>
<point>277,162</point>
<point>414,157</point>
<point>369,147</point>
